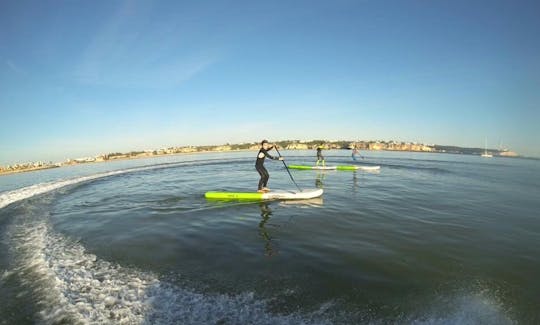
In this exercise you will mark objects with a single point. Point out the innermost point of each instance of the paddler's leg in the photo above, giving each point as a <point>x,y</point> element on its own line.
<point>265,178</point>
<point>261,172</point>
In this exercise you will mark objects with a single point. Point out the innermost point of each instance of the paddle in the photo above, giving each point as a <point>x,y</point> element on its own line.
<point>287,168</point>
<point>358,153</point>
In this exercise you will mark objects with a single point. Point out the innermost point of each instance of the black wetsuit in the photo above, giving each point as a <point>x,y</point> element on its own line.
<point>259,166</point>
<point>319,154</point>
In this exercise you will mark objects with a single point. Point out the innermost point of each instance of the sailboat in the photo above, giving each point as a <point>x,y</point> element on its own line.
<point>486,154</point>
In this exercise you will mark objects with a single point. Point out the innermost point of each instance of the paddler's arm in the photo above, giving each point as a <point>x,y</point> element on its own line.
<point>270,156</point>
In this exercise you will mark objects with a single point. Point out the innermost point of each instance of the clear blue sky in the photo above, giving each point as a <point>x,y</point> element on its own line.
<point>79,78</point>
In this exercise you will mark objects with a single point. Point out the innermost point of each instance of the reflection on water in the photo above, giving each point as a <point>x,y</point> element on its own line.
<point>321,175</point>
<point>307,203</point>
<point>270,248</point>
<point>267,234</point>
<point>355,181</point>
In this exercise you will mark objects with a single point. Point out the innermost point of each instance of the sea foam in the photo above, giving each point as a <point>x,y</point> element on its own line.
<point>73,286</point>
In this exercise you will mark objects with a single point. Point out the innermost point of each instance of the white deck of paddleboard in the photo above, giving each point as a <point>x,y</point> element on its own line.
<point>324,167</point>
<point>293,195</point>
<point>335,167</point>
<point>369,167</point>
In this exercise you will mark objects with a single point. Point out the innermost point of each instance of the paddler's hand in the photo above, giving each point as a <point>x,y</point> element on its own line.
<point>281,158</point>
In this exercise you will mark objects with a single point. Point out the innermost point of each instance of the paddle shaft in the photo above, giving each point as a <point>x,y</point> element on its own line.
<point>358,153</point>
<point>287,168</point>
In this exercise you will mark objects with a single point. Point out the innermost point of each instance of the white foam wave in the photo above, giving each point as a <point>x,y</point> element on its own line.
<point>76,287</point>
<point>73,286</point>
<point>9,197</point>
<point>476,307</point>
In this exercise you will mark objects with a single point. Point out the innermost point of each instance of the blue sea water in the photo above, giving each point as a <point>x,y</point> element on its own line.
<point>428,239</point>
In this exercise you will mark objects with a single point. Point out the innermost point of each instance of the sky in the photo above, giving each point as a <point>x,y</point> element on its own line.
<point>81,78</point>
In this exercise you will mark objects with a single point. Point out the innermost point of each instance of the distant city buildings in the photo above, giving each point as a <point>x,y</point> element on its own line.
<point>396,146</point>
<point>27,167</point>
<point>288,144</point>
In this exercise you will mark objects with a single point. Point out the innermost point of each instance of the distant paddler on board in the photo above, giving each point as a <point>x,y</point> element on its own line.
<point>356,152</point>
<point>320,157</point>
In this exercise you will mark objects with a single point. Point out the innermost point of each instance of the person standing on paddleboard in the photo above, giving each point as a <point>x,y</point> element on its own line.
<point>320,157</point>
<point>354,152</point>
<point>259,165</point>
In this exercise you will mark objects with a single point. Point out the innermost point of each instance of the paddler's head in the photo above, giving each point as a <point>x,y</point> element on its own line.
<point>265,144</point>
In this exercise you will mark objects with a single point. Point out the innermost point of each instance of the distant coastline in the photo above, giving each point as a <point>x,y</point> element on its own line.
<point>252,146</point>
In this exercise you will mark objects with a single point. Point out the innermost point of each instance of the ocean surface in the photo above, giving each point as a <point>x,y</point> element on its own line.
<point>428,239</point>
